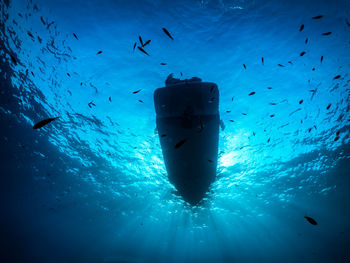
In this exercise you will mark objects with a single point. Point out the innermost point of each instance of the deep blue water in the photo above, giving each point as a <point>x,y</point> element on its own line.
<point>92,185</point>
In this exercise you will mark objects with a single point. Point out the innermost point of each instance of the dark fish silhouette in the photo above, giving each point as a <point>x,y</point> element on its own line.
<point>301,28</point>
<point>232,98</point>
<point>210,161</point>
<point>302,53</point>
<point>68,74</point>
<point>91,104</point>
<point>337,134</point>
<point>136,91</point>
<point>300,102</point>
<point>269,87</point>
<point>337,77</point>
<point>42,20</point>
<point>13,59</point>
<point>146,43</point>
<point>306,40</point>
<point>180,73</point>
<point>290,62</point>
<point>30,34</point>
<point>326,34</point>
<point>262,60</point>
<point>281,65</point>
<point>313,69</point>
<point>163,135</point>
<point>336,138</point>
<point>232,121</point>
<point>244,114</point>
<point>273,103</point>
<point>133,49</point>
<point>329,105</point>
<point>110,99</point>
<point>317,17</point>
<point>347,22</point>
<point>43,123</point>
<point>272,115</point>
<point>140,39</point>
<point>142,50</point>
<point>75,36</point>
<point>81,83</point>
<point>99,52</point>
<point>167,33</point>
<point>163,64</point>
<point>141,101</point>
<point>228,111</point>
<point>244,66</point>
<point>311,220</point>
<point>321,59</point>
<point>252,93</point>
<point>180,143</point>
<point>268,140</point>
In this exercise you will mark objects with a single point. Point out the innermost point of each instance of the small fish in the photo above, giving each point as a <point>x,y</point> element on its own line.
<point>252,93</point>
<point>91,104</point>
<point>81,83</point>
<point>99,52</point>
<point>30,34</point>
<point>269,87</point>
<point>210,161</point>
<point>311,220</point>
<point>329,105</point>
<point>245,67</point>
<point>347,22</point>
<point>39,39</point>
<point>317,17</point>
<point>321,59</point>
<point>336,138</point>
<point>290,62</point>
<point>110,99</point>
<point>310,130</point>
<point>68,74</point>
<point>167,33</point>
<point>302,53</point>
<point>133,49</point>
<point>245,114</point>
<point>163,135</point>
<point>337,77</point>
<point>281,65</point>
<point>273,103</point>
<point>306,40</point>
<point>301,101</point>
<point>262,60</point>
<point>253,133</point>
<point>13,59</point>
<point>136,91</point>
<point>228,111</point>
<point>232,98</point>
<point>142,50</point>
<point>43,123</point>
<point>181,74</point>
<point>232,121</point>
<point>301,28</point>
<point>163,64</point>
<point>20,15</point>
<point>146,43</point>
<point>272,115</point>
<point>141,101</point>
<point>313,69</point>
<point>140,39</point>
<point>42,20</point>
<point>326,34</point>
<point>75,36</point>
<point>180,143</point>
<point>268,140</point>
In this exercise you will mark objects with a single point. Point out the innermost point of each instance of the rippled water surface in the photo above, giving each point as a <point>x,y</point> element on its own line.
<point>92,186</point>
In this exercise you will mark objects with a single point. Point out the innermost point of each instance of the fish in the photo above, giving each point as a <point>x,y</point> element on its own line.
<point>136,91</point>
<point>272,115</point>
<point>329,105</point>
<point>39,39</point>
<point>306,40</point>
<point>181,74</point>
<point>210,161</point>
<point>301,101</point>
<point>232,98</point>
<point>163,64</point>
<point>167,33</point>
<point>302,53</point>
<point>42,123</point>
<point>75,36</point>
<point>30,34</point>
<point>99,52</point>
<point>245,67</point>
<point>313,69</point>
<point>337,77</point>
<point>301,28</point>
<point>91,104</point>
<point>281,65</point>
<point>347,22</point>
<point>228,111</point>
<point>290,62</point>
<point>262,61</point>
<point>338,132</point>
<point>163,135</point>
<point>146,43</point>
<point>326,34</point>
<point>253,133</point>
<point>20,15</point>
<point>244,114</point>
<point>81,83</point>
<point>317,17</point>
<point>13,59</point>
<point>321,59</point>
<point>311,220</point>
<point>232,121</point>
<point>180,143</point>
<point>141,101</point>
<point>268,140</point>
<point>252,93</point>
<point>110,99</point>
<point>133,49</point>
<point>336,138</point>
<point>142,50</point>
<point>310,130</point>
<point>68,74</point>
<point>269,87</point>
<point>140,39</point>
<point>42,20</point>
<point>273,103</point>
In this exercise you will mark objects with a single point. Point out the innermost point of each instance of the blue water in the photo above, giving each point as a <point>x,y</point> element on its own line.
<point>92,185</point>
